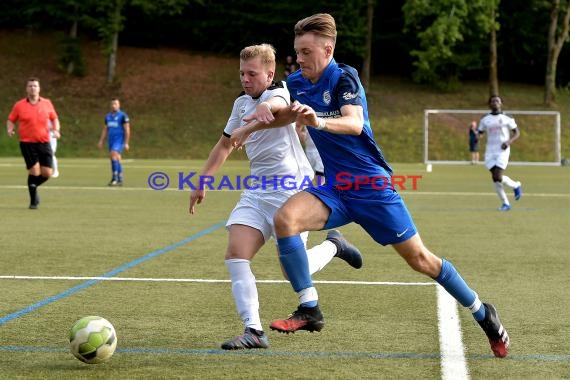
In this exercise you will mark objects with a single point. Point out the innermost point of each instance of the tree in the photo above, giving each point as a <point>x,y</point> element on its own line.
<point>68,12</point>
<point>365,75</point>
<point>109,21</point>
<point>557,36</point>
<point>493,27</point>
<point>450,34</point>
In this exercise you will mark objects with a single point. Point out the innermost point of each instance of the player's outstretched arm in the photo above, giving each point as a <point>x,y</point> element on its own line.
<point>216,159</point>
<point>281,115</point>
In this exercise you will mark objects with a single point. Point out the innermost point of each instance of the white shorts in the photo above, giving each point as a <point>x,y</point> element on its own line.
<point>500,159</point>
<point>256,210</point>
<point>53,143</point>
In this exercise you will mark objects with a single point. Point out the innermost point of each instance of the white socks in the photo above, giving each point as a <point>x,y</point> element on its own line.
<point>244,290</point>
<point>510,183</point>
<point>307,295</point>
<point>320,255</point>
<point>501,192</point>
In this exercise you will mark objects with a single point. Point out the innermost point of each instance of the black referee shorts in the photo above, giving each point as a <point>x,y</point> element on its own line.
<point>37,152</point>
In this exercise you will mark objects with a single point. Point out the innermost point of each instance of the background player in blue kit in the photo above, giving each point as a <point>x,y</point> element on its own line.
<point>117,130</point>
<point>330,99</point>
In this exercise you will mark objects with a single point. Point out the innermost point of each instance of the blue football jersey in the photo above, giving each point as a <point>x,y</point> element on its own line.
<point>344,155</point>
<point>115,125</point>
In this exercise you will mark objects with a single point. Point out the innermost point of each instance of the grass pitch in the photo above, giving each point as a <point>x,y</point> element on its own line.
<point>136,257</point>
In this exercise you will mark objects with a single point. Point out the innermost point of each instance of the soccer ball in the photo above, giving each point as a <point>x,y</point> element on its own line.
<point>92,340</point>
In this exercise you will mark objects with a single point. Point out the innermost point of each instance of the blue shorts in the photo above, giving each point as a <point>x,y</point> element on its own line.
<point>116,145</point>
<point>382,213</point>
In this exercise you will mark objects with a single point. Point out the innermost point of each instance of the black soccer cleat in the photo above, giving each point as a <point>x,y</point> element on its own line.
<point>498,337</point>
<point>251,338</point>
<point>34,205</point>
<point>345,250</point>
<point>304,318</point>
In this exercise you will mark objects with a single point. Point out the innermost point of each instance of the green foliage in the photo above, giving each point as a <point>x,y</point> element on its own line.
<point>179,102</point>
<point>441,27</point>
<point>70,55</point>
<point>350,17</point>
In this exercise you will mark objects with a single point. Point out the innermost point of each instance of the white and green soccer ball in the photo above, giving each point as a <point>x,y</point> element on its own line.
<point>92,340</point>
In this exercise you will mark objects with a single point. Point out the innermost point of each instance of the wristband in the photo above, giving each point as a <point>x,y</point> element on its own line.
<point>321,124</point>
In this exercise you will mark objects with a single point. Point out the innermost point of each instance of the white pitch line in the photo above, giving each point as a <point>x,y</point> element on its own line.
<point>81,278</point>
<point>453,364</point>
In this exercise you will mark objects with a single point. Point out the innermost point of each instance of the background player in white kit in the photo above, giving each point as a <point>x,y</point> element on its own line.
<point>271,152</point>
<point>53,137</point>
<point>501,132</point>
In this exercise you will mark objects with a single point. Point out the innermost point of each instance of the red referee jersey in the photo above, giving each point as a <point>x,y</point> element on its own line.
<point>33,119</point>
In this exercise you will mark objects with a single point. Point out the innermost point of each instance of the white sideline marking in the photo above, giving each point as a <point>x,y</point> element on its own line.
<point>453,365</point>
<point>77,278</point>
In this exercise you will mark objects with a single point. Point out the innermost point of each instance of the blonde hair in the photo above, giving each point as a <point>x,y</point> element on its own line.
<point>265,51</point>
<point>321,24</point>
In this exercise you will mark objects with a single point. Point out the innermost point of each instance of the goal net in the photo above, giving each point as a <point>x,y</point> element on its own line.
<point>446,137</point>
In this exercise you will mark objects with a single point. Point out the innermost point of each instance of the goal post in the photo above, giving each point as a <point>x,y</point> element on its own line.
<point>446,137</point>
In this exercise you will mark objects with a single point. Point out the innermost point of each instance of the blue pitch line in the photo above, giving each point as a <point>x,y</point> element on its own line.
<point>316,354</point>
<point>111,273</point>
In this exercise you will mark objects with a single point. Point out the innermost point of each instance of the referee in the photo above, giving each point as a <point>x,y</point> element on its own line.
<point>33,115</point>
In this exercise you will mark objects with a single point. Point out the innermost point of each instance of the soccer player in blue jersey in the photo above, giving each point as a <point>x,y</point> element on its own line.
<point>331,100</point>
<point>271,153</point>
<point>117,130</point>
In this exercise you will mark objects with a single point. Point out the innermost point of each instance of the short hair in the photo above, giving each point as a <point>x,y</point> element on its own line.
<point>33,79</point>
<point>265,51</point>
<point>321,24</point>
<point>494,96</point>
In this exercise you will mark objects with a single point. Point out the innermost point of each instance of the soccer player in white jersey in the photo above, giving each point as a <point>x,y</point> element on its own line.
<point>501,132</point>
<point>53,137</point>
<point>273,153</point>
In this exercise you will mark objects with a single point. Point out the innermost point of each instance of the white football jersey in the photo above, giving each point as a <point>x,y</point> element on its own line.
<point>498,128</point>
<point>273,153</point>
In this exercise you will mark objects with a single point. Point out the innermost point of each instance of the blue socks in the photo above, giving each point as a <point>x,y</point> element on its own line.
<point>452,281</point>
<point>293,257</point>
<point>114,168</point>
<point>117,169</point>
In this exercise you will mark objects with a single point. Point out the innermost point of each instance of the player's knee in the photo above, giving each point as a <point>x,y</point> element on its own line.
<point>280,219</point>
<point>424,262</point>
<point>283,221</point>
